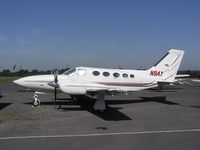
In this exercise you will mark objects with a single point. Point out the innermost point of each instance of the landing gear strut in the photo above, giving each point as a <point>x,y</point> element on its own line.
<point>74,97</point>
<point>36,102</point>
<point>100,104</point>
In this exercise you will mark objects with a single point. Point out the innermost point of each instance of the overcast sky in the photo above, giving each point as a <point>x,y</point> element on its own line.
<point>48,34</point>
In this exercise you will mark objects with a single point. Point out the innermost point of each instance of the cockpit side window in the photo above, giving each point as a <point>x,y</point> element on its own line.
<point>81,72</point>
<point>70,71</point>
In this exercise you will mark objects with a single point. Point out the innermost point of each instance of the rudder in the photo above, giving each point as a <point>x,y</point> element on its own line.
<point>166,68</point>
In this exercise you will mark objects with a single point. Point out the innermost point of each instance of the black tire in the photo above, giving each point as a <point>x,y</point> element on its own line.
<point>36,103</point>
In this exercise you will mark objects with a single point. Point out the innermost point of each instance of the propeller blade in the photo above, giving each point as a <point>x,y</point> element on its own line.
<point>56,85</point>
<point>56,76</point>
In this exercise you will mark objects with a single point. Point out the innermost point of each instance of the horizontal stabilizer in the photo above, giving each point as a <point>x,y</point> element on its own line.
<point>182,75</point>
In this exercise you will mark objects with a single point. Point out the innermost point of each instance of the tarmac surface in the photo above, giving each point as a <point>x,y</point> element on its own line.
<point>151,119</point>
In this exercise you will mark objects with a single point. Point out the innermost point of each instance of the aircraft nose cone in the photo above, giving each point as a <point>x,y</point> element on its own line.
<point>18,82</point>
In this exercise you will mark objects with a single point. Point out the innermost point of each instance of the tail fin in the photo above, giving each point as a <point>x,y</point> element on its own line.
<point>166,68</point>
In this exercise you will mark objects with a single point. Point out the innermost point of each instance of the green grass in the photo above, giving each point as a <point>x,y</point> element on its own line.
<point>7,80</point>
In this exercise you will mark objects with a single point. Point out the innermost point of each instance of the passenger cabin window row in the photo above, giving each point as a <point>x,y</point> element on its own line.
<point>116,75</point>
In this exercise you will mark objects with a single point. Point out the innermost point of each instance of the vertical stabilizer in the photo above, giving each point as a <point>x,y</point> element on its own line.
<point>166,68</point>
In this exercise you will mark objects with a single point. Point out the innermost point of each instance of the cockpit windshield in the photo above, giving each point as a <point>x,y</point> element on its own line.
<point>70,71</point>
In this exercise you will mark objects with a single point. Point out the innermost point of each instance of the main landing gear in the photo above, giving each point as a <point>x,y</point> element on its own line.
<point>36,102</point>
<point>100,104</point>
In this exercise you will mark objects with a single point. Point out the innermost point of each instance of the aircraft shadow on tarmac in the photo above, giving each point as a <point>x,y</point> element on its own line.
<point>158,99</point>
<point>195,106</point>
<point>4,105</point>
<point>112,113</point>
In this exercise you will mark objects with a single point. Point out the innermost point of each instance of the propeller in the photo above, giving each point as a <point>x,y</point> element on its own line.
<point>55,85</point>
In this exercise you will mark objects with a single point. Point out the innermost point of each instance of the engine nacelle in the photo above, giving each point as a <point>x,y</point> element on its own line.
<point>73,90</point>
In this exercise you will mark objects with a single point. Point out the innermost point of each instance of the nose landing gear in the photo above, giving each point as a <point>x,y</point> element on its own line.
<point>36,102</point>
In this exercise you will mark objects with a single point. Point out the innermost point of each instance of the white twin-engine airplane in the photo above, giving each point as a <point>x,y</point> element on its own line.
<point>99,82</point>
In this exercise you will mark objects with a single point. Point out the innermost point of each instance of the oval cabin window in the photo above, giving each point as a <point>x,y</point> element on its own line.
<point>106,74</point>
<point>116,74</point>
<point>96,73</point>
<point>132,76</point>
<point>125,75</point>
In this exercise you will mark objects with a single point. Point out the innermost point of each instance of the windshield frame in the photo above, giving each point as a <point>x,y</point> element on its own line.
<point>70,71</point>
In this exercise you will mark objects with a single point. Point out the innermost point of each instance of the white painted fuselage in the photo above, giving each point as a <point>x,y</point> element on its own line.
<point>95,81</point>
<point>83,78</point>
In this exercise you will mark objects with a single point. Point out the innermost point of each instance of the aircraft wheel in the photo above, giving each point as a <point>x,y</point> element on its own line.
<point>101,111</point>
<point>36,103</point>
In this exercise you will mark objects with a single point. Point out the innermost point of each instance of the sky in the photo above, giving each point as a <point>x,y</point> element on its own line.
<point>49,34</point>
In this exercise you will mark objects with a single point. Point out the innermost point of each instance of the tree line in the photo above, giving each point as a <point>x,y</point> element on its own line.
<point>192,73</point>
<point>26,72</point>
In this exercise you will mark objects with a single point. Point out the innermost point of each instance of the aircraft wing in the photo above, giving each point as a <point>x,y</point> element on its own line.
<point>104,91</point>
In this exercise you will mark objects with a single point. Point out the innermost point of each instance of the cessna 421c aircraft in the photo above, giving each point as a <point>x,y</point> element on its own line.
<point>99,82</point>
